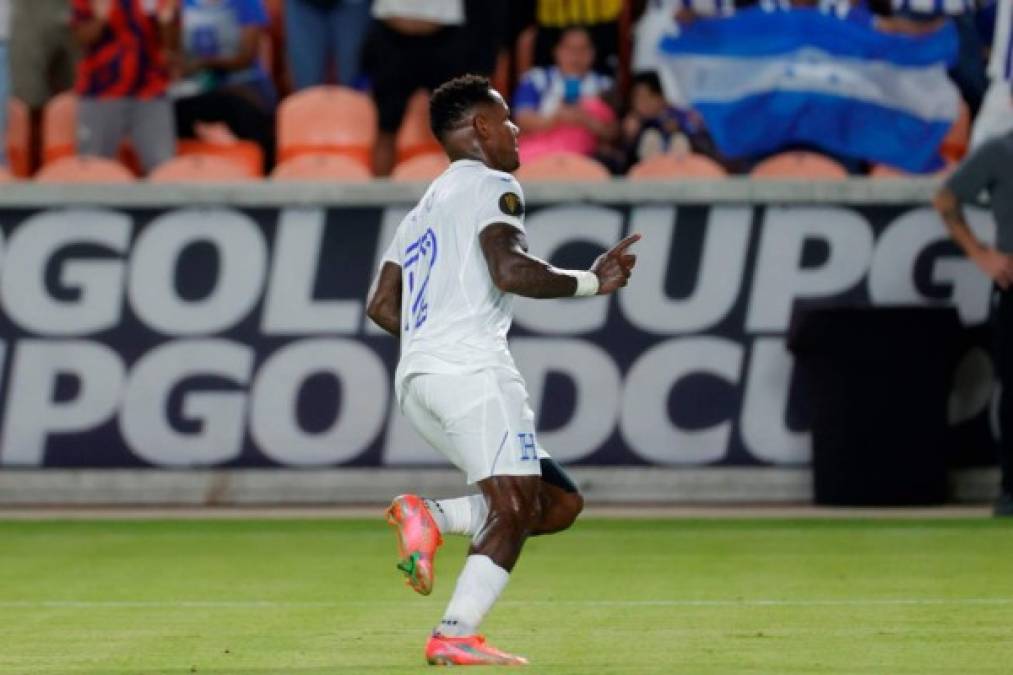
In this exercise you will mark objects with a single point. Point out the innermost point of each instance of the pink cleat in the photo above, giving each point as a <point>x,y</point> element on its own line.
<point>469,650</point>
<point>418,537</point>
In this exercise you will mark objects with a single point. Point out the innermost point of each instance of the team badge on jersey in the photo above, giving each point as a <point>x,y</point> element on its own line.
<point>510,203</point>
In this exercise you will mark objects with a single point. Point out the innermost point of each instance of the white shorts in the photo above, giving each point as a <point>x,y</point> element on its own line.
<point>480,421</point>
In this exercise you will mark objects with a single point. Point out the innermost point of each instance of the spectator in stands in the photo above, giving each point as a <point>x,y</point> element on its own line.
<point>5,84</point>
<point>563,107</point>
<point>122,81</point>
<point>42,58</point>
<point>654,127</point>
<point>990,168</point>
<point>552,17</point>
<point>223,79</point>
<point>413,44</point>
<point>914,17</point>
<point>322,34</point>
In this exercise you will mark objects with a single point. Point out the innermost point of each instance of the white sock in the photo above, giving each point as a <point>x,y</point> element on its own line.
<point>479,585</point>
<point>463,515</point>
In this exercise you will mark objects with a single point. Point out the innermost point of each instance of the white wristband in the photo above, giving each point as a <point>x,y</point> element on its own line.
<point>587,282</point>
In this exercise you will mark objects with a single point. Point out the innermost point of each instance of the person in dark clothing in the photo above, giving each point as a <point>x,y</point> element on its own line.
<point>224,81</point>
<point>990,168</point>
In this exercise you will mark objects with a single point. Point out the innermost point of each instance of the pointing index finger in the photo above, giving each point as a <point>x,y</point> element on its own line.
<point>621,247</point>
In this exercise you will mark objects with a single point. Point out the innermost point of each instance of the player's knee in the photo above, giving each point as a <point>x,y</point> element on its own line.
<point>571,505</point>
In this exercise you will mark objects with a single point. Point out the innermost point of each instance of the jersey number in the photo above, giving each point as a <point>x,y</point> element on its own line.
<point>418,266</point>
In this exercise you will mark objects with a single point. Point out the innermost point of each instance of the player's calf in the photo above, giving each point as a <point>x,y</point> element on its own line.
<point>515,510</point>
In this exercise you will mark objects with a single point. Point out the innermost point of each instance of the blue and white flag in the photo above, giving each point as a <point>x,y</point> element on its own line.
<point>764,81</point>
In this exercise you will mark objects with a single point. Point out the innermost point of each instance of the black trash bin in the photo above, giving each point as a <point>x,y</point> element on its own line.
<point>878,382</point>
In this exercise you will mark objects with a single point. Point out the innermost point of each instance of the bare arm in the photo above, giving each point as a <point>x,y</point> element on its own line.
<point>89,31</point>
<point>384,305</point>
<point>245,56</point>
<point>530,120</point>
<point>514,270</point>
<point>997,265</point>
<point>604,130</point>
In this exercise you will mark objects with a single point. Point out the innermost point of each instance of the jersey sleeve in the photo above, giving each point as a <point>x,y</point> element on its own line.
<point>500,200</point>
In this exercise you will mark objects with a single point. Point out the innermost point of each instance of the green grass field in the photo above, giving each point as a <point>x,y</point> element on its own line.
<point>610,596</point>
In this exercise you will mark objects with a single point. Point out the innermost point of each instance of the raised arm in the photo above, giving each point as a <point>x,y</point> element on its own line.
<point>384,305</point>
<point>514,270</point>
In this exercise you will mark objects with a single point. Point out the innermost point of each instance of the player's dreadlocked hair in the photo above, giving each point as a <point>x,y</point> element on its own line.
<point>453,99</point>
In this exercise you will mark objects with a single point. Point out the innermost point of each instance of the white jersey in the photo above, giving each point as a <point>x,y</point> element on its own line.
<point>454,320</point>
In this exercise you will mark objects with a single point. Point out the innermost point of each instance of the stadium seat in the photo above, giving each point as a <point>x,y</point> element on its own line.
<point>83,169</point>
<point>200,169</point>
<point>414,137</point>
<point>954,145</point>
<point>321,167</point>
<point>799,164</point>
<point>18,137</point>
<point>887,171</point>
<point>59,127</point>
<point>881,171</point>
<point>661,167</point>
<point>59,133</point>
<point>327,119</point>
<point>425,167</point>
<point>563,166</point>
<point>244,153</point>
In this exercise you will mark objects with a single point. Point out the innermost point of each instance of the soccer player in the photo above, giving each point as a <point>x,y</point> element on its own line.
<point>446,287</point>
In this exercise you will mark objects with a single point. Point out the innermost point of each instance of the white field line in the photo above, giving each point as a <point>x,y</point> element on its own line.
<point>276,604</point>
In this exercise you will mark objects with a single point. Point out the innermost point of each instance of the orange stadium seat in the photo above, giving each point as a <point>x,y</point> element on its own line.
<point>200,169</point>
<point>563,166</point>
<point>954,145</point>
<point>319,167</point>
<point>661,167</point>
<point>327,119</point>
<point>414,137</point>
<point>19,137</point>
<point>887,171</point>
<point>425,167</point>
<point>881,171</point>
<point>59,127</point>
<point>244,153</point>
<point>59,133</point>
<point>800,165</point>
<point>83,169</point>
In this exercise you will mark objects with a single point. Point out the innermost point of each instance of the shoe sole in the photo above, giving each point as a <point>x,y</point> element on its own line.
<point>408,562</point>
<point>447,660</point>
